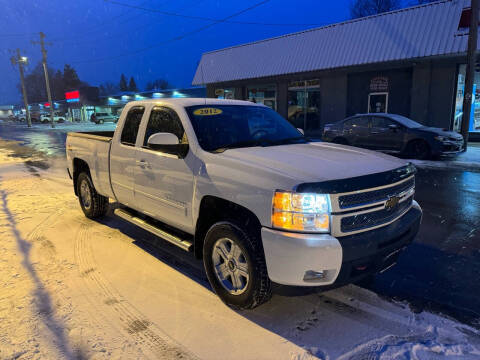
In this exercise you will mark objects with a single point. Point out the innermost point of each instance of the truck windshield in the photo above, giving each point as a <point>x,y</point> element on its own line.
<point>221,127</point>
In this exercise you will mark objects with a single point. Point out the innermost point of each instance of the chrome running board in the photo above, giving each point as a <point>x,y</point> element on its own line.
<point>145,225</point>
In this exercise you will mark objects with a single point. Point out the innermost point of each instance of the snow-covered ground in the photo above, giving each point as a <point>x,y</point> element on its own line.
<point>75,288</point>
<point>468,161</point>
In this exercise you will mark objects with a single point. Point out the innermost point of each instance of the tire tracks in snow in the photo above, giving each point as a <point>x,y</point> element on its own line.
<point>131,320</point>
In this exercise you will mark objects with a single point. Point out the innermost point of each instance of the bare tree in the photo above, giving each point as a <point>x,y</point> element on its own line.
<point>158,84</point>
<point>109,88</point>
<point>362,8</point>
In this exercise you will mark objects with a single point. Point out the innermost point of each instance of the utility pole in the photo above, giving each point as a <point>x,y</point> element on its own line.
<point>21,61</point>
<point>45,70</point>
<point>470,71</point>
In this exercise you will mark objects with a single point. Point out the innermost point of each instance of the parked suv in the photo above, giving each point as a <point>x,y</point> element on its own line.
<point>100,118</point>
<point>394,134</point>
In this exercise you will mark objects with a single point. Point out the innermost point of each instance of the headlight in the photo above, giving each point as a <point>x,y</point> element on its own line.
<point>441,138</point>
<point>301,211</point>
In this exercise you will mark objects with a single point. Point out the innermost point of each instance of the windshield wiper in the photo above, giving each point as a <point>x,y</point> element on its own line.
<point>240,144</point>
<point>262,142</point>
<point>292,140</point>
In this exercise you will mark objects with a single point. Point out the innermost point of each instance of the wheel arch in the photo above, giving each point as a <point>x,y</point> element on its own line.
<point>213,209</point>
<point>79,166</point>
<point>417,139</point>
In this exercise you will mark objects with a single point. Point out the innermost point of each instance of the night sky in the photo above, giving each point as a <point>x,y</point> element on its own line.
<point>102,39</point>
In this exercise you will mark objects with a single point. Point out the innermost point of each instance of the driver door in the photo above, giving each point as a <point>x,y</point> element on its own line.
<point>383,136</point>
<point>164,182</point>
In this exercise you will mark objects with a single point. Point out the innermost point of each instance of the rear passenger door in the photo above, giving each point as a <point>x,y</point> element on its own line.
<point>356,131</point>
<point>164,182</point>
<point>122,157</point>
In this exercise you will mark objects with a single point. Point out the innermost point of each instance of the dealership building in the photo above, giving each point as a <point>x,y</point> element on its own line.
<point>409,62</point>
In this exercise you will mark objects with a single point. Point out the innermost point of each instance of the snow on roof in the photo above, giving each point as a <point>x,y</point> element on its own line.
<point>193,101</point>
<point>415,32</point>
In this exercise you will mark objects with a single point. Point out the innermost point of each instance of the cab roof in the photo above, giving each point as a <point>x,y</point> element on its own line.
<point>185,102</point>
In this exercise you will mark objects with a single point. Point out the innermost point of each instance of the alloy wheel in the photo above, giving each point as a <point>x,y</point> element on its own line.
<point>85,194</point>
<point>231,267</point>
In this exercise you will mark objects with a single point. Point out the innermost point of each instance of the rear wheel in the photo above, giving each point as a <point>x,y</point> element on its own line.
<point>418,149</point>
<point>340,140</point>
<point>93,205</point>
<point>235,266</point>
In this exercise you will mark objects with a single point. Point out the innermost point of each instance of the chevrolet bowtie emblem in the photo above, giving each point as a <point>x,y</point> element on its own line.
<point>392,203</point>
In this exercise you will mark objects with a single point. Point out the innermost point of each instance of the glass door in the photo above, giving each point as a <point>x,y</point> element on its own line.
<point>378,102</point>
<point>304,105</point>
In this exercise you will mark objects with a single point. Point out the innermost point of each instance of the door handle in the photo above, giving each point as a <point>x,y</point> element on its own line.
<point>143,164</point>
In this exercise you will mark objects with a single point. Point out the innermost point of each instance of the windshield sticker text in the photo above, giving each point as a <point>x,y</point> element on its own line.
<point>207,111</point>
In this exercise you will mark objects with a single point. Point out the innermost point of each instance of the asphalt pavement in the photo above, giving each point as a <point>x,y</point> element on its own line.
<point>440,270</point>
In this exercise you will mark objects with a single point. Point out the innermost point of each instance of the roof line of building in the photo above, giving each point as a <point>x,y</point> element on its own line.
<point>151,91</point>
<point>346,22</point>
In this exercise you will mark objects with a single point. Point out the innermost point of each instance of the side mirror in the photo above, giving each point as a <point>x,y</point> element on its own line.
<point>159,139</point>
<point>394,127</point>
<point>301,130</point>
<point>167,143</point>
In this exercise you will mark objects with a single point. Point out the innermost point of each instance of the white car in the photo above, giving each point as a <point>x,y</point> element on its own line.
<point>244,190</point>
<point>57,117</point>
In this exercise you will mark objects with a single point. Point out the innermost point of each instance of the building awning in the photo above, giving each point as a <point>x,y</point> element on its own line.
<point>416,32</point>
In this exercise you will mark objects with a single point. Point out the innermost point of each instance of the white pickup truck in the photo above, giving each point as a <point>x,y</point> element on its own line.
<point>243,189</point>
<point>57,117</point>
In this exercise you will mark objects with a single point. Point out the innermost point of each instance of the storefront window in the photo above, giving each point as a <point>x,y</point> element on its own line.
<point>266,95</point>
<point>304,105</point>
<point>228,93</point>
<point>475,110</point>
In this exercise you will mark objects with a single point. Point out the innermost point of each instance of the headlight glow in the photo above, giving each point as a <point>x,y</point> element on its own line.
<point>301,211</point>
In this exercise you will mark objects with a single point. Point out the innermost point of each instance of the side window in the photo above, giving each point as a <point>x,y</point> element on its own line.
<point>130,128</point>
<point>381,123</point>
<point>347,125</point>
<point>355,123</point>
<point>165,120</point>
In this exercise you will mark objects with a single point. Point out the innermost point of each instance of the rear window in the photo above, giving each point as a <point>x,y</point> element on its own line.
<point>130,128</point>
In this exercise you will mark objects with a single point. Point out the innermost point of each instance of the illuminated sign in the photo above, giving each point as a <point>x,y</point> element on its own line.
<point>72,96</point>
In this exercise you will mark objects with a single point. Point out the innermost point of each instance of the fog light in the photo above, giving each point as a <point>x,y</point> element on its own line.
<point>311,275</point>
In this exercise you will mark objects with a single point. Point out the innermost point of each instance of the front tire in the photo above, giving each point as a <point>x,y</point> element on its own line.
<point>93,205</point>
<point>235,266</point>
<point>419,149</point>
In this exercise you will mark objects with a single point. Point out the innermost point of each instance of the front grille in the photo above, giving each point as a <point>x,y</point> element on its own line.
<point>374,218</point>
<point>369,197</point>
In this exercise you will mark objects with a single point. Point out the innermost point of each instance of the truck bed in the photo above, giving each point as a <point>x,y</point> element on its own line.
<point>96,135</point>
<point>94,149</point>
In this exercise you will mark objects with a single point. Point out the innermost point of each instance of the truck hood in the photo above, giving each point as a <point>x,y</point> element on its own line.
<point>316,161</point>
